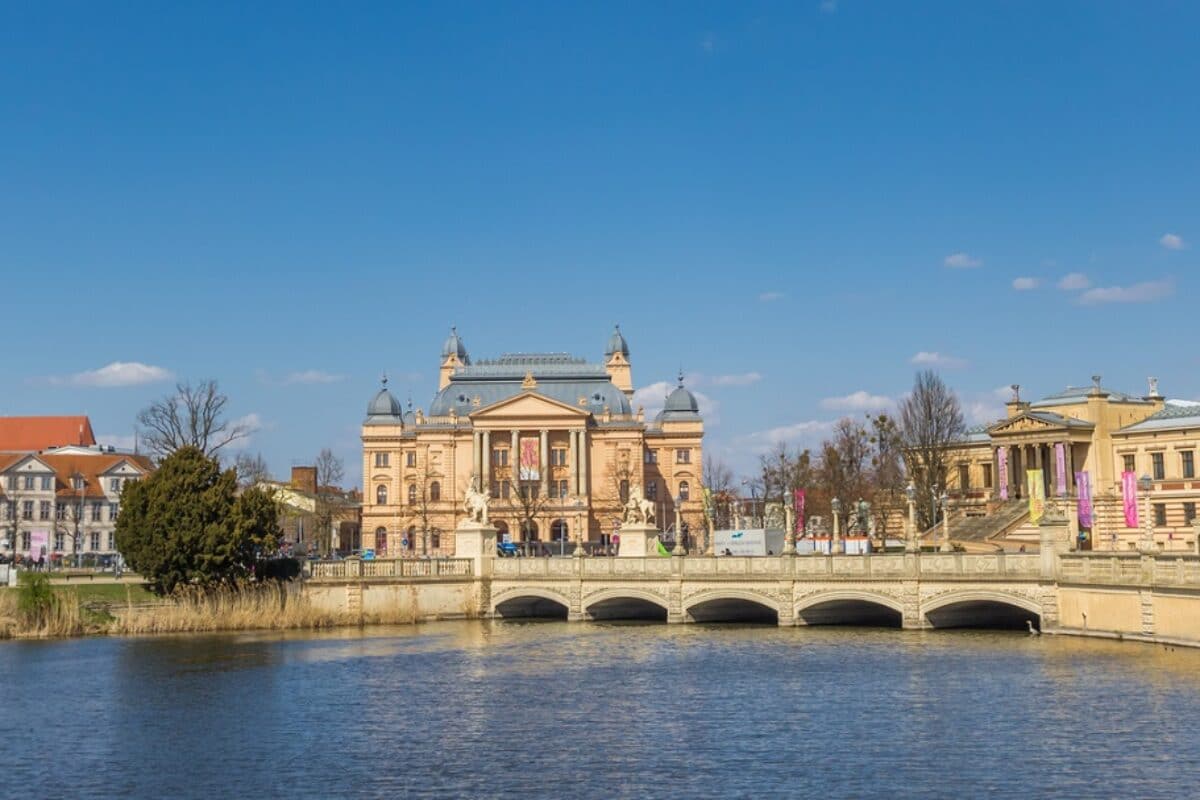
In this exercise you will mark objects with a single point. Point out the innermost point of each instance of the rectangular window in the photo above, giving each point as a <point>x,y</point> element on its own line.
<point>651,490</point>
<point>112,541</point>
<point>60,542</point>
<point>1189,513</point>
<point>60,510</point>
<point>29,483</point>
<point>96,512</point>
<point>114,485</point>
<point>505,491</point>
<point>500,457</point>
<point>558,457</point>
<point>562,488</point>
<point>12,482</point>
<point>382,459</point>
<point>683,456</point>
<point>27,509</point>
<point>47,483</point>
<point>651,456</point>
<point>1156,461</point>
<point>553,489</point>
<point>1189,463</point>
<point>1160,515</point>
<point>25,543</point>
<point>964,477</point>
<point>1130,464</point>
<point>410,458</point>
<point>113,510</point>
<point>77,483</point>
<point>44,510</point>
<point>987,476</point>
<point>95,542</point>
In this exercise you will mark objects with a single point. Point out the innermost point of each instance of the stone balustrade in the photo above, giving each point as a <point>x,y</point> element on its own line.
<point>354,568</point>
<point>1130,569</point>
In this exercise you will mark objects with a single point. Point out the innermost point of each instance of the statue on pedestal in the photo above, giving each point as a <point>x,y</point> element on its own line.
<point>637,508</point>
<point>475,503</point>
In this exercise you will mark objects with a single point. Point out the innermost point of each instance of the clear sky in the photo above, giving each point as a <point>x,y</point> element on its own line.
<point>799,203</point>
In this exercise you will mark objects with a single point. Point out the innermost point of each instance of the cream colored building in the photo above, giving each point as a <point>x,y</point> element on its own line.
<point>554,439</point>
<point>1101,432</point>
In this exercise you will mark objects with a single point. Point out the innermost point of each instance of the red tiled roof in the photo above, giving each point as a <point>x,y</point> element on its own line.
<point>30,434</point>
<point>66,465</point>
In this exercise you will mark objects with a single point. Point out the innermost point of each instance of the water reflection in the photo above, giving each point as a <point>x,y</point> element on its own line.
<point>547,709</point>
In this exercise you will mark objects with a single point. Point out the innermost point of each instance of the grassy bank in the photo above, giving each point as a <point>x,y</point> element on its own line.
<point>51,611</point>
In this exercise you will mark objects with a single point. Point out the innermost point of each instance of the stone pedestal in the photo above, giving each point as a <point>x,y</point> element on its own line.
<point>1055,535</point>
<point>476,541</point>
<point>637,540</point>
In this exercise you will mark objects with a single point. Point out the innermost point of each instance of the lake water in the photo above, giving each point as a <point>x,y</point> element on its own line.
<point>547,709</point>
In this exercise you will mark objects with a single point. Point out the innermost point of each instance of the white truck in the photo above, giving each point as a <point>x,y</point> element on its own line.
<point>748,542</point>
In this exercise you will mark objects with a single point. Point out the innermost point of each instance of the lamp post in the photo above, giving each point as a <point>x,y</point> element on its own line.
<point>679,550</point>
<point>579,552</point>
<point>911,543</point>
<point>1146,545</point>
<point>835,544</point>
<point>789,514</point>
<point>946,546</point>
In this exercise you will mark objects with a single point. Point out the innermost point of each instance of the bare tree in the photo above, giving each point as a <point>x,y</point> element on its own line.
<point>523,499</point>
<point>192,416</point>
<point>844,467</point>
<point>931,429</point>
<point>887,469</point>
<point>251,469</point>
<point>719,481</point>
<point>330,471</point>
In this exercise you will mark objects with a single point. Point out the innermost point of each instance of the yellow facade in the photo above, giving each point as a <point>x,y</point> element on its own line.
<point>1103,433</point>
<point>553,439</point>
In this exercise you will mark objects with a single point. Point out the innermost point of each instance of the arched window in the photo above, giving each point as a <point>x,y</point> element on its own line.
<point>684,491</point>
<point>435,539</point>
<point>558,531</point>
<point>412,494</point>
<point>381,495</point>
<point>435,492</point>
<point>529,531</point>
<point>381,541</point>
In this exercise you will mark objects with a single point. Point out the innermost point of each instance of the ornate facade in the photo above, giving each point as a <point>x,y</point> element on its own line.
<point>553,439</point>
<point>1099,431</point>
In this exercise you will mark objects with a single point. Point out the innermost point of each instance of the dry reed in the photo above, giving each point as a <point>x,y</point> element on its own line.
<point>241,608</point>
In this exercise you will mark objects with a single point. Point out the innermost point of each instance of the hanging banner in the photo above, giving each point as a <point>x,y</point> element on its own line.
<point>39,544</point>
<point>1084,488</point>
<point>1060,463</point>
<point>1129,495</point>
<point>1002,462</point>
<point>1037,495</point>
<point>798,500</point>
<point>530,463</point>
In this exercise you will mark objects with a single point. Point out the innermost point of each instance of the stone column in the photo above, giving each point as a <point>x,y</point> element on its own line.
<point>583,462</point>
<point>486,468</point>
<point>573,459</point>
<point>1054,539</point>
<point>544,462</point>
<point>476,466</point>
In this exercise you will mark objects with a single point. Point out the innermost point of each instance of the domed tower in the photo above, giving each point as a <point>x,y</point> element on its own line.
<point>681,405</point>
<point>454,355</point>
<point>616,362</point>
<point>384,409</point>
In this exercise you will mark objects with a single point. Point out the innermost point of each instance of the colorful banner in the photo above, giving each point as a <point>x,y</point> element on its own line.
<point>1037,495</point>
<point>39,544</point>
<point>798,500</point>
<point>1060,463</point>
<point>1002,462</point>
<point>530,463</point>
<point>1083,487</point>
<point>1129,495</point>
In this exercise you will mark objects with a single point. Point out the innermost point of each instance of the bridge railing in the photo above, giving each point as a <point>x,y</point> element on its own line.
<point>1126,569</point>
<point>392,568</point>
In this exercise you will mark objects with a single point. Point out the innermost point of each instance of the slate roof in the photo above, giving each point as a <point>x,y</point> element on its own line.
<point>1079,394</point>
<point>559,376</point>
<point>1174,415</point>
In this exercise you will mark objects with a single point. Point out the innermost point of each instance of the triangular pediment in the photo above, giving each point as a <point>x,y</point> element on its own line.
<point>528,404</point>
<point>1023,423</point>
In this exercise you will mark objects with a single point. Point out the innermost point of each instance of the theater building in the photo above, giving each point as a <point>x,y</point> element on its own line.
<point>554,439</point>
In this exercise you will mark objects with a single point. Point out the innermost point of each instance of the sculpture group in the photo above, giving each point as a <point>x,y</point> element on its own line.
<point>475,503</point>
<point>637,508</point>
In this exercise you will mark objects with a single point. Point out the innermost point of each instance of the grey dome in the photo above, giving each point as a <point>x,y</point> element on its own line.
<point>616,344</point>
<point>454,346</point>
<point>383,408</point>
<point>680,404</point>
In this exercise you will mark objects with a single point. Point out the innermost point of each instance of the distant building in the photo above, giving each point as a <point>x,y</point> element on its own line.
<point>554,439</point>
<point>304,507</point>
<point>34,434</point>
<point>63,500</point>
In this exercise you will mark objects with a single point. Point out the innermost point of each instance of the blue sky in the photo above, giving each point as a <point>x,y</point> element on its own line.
<point>798,203</point>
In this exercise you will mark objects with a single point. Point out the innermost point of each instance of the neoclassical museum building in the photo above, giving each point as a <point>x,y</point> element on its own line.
<point>554,439</point>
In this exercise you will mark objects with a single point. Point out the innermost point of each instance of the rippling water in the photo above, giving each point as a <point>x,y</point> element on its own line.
<point>503,709</point>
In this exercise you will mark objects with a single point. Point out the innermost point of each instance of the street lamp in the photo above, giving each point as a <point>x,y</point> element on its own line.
<point>679,550</point>
<point>1147,544</point>
<point>835,544</point>
<point>911,543</point>
<point>579,553</point>
<point>946,546</point>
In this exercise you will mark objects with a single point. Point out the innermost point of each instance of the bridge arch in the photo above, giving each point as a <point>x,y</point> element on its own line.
<point>850,607</point>
<point>637,604</point>
<point>980,608</point>
<point>530,602</point>
<point>732,605</point>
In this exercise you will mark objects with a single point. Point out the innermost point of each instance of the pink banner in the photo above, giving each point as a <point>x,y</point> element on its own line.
<point>1060,462</point>
<point>1002,462</point>
<point>798,498</point>
<point>1083,487</point>
<point>1129,494</point>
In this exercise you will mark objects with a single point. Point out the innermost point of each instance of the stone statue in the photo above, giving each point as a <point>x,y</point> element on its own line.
<point>775,517</point>
<point>637,508</point>
<point>475,503</point>
<point>863,514</point>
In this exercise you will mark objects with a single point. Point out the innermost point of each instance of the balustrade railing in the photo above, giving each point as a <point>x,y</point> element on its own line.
<point>392,568</point>
<point>1124,569</point>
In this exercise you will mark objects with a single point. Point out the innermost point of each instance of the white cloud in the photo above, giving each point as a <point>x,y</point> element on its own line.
<point>652,397</point>
<point>805,434</point>
<point>118,373</point>
<point>1074,281</point>
<point>1172,241</point>
<point>1146,292</point>
<point>961,261</point>
<point>983,411</point>
<point>312,376</point>
<point>935,359</point>
<point>1025,284</point>
<point>770,297</point>
<point>857,401</point>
